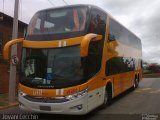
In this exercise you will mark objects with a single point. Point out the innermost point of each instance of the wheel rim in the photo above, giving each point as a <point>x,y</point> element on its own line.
<point>136,83</point>
<point>105,97</point>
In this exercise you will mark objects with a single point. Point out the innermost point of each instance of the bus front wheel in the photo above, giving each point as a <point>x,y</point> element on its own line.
<point>107,98</point>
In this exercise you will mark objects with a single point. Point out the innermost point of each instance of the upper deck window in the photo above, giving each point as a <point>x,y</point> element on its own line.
<point>123,35</point>
<point>58,21</point>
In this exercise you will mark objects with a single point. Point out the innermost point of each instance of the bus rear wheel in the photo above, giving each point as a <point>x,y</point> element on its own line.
<point>136,83</point>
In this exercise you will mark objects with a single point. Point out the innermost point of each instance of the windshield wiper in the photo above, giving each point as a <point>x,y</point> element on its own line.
<point>58,76</point>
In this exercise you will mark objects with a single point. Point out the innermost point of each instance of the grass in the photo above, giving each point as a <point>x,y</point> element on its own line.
<point>151,75</point>
<point>4,95</point>
<point>4,101</point>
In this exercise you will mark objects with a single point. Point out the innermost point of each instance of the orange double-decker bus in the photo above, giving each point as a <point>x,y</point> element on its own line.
<point>74,59</point>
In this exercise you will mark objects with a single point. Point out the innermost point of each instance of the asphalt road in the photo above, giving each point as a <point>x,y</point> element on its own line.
<point>140,104</point>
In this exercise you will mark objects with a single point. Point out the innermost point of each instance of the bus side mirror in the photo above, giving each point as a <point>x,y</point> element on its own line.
<point>85,43</point>
<point>7,46</point>
<point>111,37</point>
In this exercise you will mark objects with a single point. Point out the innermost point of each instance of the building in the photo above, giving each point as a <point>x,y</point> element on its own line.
<point>6,23</point>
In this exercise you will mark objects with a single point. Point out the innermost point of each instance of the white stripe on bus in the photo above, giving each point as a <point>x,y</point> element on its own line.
<point>57,91</point>
<point>59,44</point>
<point>62,90</point>
<point>64,43</point>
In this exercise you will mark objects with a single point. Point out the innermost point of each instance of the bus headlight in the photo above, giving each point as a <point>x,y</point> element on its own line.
<point>22,93</point>
<point>76,95</point>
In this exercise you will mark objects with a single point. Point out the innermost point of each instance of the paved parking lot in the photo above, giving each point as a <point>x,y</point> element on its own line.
<point>144,102</point>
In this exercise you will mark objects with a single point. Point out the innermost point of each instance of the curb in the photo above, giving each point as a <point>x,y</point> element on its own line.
<point>8,106</point>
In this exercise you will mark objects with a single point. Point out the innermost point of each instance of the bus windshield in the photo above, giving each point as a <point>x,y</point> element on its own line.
<point>58,21</point>
<point>52,68</point>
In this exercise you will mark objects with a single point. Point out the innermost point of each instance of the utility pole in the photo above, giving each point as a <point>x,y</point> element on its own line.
<point>12,76</point>
<point>65,2</point>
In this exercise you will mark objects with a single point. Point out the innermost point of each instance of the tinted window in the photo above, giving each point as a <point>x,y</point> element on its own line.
<point>58,21</point>
<point>118,65</point>
<point>58,24</point>
<point>94,58</point>
<point>52,68</point>
<point>97,22</point>
<point>121,34</point>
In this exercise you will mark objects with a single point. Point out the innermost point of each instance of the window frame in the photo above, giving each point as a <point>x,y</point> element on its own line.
<point>123,35</point>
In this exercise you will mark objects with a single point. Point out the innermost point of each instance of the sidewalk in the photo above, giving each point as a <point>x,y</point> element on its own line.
<point>4,102</point>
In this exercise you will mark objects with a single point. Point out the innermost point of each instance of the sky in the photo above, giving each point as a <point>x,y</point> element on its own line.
<point>142,17</point>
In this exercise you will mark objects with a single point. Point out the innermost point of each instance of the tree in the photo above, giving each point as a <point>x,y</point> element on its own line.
<point>154,68</point>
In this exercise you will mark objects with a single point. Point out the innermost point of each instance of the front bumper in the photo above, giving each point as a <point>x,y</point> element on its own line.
<point>74,107</point>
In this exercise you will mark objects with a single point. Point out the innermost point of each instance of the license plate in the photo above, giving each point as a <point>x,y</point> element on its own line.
<point>46,108</point>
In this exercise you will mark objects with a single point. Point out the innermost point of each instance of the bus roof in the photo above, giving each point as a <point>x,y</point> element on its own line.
<point>89,6</point>
<point>72,6</point>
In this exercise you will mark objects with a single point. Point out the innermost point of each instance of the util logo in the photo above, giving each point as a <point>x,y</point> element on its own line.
<point>37,92</point>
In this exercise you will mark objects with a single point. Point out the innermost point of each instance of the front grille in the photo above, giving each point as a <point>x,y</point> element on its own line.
<point>46,99</point>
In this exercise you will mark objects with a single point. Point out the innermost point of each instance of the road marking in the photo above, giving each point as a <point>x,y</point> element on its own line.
<point>142,89</point>
<point>145,89</point>
<point>155,91</point>
<point>137,91</point>
<point>148,90</point>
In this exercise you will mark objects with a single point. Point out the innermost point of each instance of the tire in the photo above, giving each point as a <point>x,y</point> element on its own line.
<point>107,98</point>
<point>136,83</point>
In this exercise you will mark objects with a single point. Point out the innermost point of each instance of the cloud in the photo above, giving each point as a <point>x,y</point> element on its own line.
<point>148,27</point>
<point>140,16</point>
